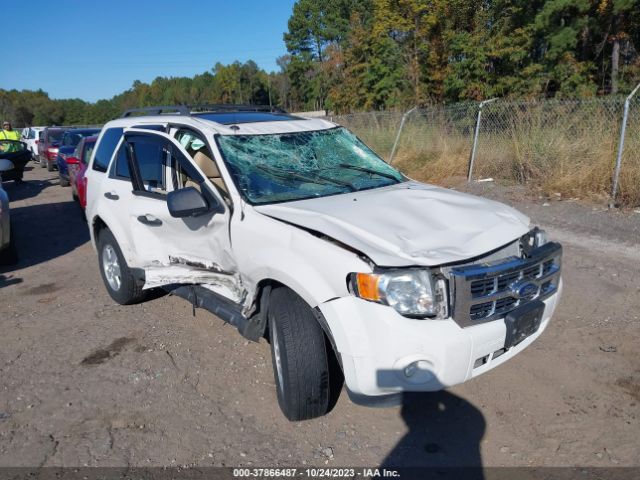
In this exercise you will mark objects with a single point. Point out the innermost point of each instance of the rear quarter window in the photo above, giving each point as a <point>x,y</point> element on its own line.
<point>86,153</point>
<point>105,149</point>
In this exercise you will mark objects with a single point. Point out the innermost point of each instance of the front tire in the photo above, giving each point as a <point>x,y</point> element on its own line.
<point>64,182</point>
<point>116,274</point>
<point>300,355</point>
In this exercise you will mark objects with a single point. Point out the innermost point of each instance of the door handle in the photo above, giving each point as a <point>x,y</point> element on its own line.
<point>150,220</point>
<point>111,196</point>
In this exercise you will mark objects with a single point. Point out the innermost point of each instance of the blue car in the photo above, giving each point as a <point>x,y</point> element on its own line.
<point>68,144</point>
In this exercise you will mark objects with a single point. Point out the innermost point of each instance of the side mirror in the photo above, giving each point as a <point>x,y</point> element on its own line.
<point>186,202</point>
<point>73,161</point>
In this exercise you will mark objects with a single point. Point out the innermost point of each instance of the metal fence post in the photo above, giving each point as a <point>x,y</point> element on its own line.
<point>472,158</point>
<point>623,129</point>
<point>395,144</point>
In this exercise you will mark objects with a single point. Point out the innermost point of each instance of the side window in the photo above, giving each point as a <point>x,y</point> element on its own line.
<point>181,177</point>
<point>105,148</point>
<point>197,148</point>
<point>122,163</point>
<point>86,153</point>
<point>150,158</point>
<point>143,159</point>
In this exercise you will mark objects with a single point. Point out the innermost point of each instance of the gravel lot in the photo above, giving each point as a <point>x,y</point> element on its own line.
<point>86,382</point>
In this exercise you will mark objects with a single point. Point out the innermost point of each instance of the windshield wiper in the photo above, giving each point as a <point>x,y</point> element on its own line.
<point>367,170</point>
<point>292,173</point>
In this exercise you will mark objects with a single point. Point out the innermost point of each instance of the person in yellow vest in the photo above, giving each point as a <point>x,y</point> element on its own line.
<point>7,133</point>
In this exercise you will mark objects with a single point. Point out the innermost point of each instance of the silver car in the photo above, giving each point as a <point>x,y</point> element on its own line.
<point>7,250</point>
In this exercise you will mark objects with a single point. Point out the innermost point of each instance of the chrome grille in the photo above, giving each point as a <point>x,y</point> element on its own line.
<point>486,291</point>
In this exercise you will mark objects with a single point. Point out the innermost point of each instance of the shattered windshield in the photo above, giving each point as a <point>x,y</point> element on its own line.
<point>293,166</point>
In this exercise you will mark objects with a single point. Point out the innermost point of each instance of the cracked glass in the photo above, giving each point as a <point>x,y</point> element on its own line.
<point>294,166</point>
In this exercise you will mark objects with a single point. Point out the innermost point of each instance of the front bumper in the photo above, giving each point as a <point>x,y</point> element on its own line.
<point>376,345</point>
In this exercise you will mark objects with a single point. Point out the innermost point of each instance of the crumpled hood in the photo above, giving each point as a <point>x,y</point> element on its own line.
<point>408,224</point>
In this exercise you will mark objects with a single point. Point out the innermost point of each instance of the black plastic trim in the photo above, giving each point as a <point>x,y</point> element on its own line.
<point>376,401</point>
<point>200,297</point>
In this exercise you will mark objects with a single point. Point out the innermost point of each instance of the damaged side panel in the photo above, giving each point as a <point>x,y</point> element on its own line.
<point>192,251</point>
<point>183,271</point>
<point>314,267</point>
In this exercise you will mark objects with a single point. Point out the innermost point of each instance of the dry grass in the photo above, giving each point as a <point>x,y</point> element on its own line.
<point>566,148</point>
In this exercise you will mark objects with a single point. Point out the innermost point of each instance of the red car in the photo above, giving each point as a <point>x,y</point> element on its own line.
<point>77,165</point>
<point>48,144</point>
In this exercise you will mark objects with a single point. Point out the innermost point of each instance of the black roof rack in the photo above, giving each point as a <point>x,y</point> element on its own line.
<point>175,109</point>
<point>189,110</point>
<point>231,108</point>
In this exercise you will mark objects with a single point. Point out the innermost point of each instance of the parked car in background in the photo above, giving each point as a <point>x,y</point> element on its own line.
<point>14,155</point>
<point>31,136</point>
<point>48,146</point>
<point>68,144</point>
<point>7,248</point>
<point>77,166</point>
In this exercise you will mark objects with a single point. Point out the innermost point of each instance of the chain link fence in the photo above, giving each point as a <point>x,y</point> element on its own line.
<point>563,146</point>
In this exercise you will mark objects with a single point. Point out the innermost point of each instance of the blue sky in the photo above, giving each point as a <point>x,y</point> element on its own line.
<point>96,49</point>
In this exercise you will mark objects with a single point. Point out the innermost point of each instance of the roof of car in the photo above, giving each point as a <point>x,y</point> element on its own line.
<point>223,119</point>
<point>242,124</point>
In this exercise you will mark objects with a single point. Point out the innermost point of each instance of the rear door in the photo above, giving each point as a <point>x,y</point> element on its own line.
<point>194,250</point>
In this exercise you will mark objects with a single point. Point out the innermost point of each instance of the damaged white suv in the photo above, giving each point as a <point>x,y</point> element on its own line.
<point>293,230</point>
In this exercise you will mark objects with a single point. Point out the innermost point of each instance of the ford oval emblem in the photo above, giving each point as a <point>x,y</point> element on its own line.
<point>524,290</point>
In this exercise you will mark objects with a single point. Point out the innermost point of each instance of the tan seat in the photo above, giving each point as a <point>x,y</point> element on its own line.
<point>209,168</point>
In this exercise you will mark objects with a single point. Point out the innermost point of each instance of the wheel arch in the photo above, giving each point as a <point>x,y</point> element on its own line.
<point>258,320</point>
<point>100,221</point>
<point>97,224</point>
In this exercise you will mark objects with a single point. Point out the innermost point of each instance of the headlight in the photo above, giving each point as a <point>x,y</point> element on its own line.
<point>412,293</point>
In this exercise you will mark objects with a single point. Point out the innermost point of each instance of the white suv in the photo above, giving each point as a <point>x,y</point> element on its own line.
<point>31,136</point>
<point>293,230</point>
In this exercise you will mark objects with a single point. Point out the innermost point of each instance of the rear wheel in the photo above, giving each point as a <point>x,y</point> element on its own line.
<point>118,278</point>
<point>49,166</point>
<point>42,162</point>
<point>302,367</point>
<point>64,182</point>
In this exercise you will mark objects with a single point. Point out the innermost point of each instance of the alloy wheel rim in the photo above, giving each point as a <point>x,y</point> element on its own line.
<point>111,267</point>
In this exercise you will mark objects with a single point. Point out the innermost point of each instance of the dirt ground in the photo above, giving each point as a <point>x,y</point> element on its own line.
<point>86,382</point>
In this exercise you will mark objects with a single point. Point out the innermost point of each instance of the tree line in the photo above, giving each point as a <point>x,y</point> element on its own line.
<point>354,55</point>
<point>347,55</point>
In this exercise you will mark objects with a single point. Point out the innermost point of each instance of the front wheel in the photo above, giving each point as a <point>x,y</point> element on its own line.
<point>304,373</point>
<point>64,182</point>
<point>116,274</point>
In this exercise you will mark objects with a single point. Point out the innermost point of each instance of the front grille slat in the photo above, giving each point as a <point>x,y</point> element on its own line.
<point>484,292</point>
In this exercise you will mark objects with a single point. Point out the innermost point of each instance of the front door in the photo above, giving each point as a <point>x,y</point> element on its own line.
<point>192,250</point>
